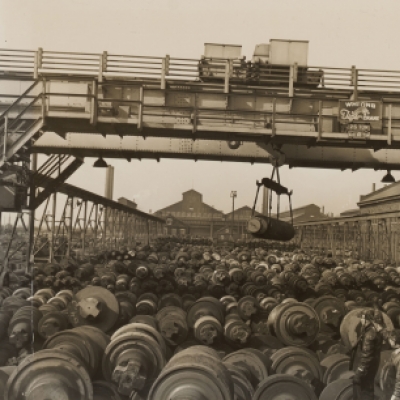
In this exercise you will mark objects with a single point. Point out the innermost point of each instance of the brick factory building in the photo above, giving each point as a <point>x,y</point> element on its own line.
<point>192,216</point>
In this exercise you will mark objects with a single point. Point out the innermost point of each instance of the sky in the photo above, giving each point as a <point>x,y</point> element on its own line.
<point>341,33</point>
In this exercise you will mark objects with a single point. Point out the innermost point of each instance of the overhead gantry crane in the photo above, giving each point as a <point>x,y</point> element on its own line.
<point>274,107</point>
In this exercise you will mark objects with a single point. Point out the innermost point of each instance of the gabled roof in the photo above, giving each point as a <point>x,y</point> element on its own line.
<point>386,193</point>
<point>244,208</point>
<point>166,208</point>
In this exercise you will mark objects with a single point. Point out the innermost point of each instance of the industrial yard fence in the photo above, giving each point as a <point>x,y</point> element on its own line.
<point>369,237</point>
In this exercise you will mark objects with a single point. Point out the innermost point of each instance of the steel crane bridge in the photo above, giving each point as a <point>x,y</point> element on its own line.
<point>76,105</point>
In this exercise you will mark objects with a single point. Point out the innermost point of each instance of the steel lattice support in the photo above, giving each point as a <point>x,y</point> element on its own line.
<point>85,228</point>
<point>78,223</point>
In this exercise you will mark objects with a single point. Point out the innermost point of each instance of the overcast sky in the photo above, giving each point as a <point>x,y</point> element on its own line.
<point>341,33</point>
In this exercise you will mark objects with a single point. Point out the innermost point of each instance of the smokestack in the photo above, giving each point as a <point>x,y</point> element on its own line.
<point>265,201</point>
<point>109,191</point>
<point>373,187</point>
<point>323,209</point>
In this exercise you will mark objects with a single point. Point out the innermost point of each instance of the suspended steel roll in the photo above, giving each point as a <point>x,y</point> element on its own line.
<point>196,373</point>
<point>262,227</point>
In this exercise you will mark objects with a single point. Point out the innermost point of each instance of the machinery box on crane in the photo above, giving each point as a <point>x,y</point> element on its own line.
<point>288,52</point>
<point>13,191</point>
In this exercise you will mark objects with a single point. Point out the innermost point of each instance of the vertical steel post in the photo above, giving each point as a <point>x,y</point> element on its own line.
<point>44,105</point>
<point>389,128</point>
<point>53,227</point>
<point>354,82</point>
<point>36,65</point>
<point>140,110</point>
<point>70,226</point>
<point>96,227</point>
<point>273,116</point>
<point>105,224</point>
<point>5,139</point>
<point>320,119</point>
<point>94,103</point>
<point>32,196</point>
<point>227,74</point>
<point>84,227</point>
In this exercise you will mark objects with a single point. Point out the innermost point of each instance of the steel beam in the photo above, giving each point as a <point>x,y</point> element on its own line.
<point>295,154</point>
<point>55,183</point>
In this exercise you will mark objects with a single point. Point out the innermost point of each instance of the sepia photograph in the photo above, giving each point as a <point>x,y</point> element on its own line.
<point>199,200</point>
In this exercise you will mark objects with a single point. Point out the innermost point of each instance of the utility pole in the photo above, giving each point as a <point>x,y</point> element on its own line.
<point>212,223</point>
<point>233,195</point>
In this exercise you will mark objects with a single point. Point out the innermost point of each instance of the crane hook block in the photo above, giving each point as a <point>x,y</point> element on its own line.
<point>262,227</point>
<point>275,186</point>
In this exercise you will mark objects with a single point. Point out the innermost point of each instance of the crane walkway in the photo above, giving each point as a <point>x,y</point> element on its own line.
<point>350,117</point>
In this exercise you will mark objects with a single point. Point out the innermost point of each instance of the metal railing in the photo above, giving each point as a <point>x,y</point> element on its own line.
<point>104,65</point>
<point>95,102</point>
<point>370,236</point>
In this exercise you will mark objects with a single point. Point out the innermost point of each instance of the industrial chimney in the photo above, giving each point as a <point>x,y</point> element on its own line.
<point>109,192</point>
<point>373,187</point>
<point>265,201</point>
